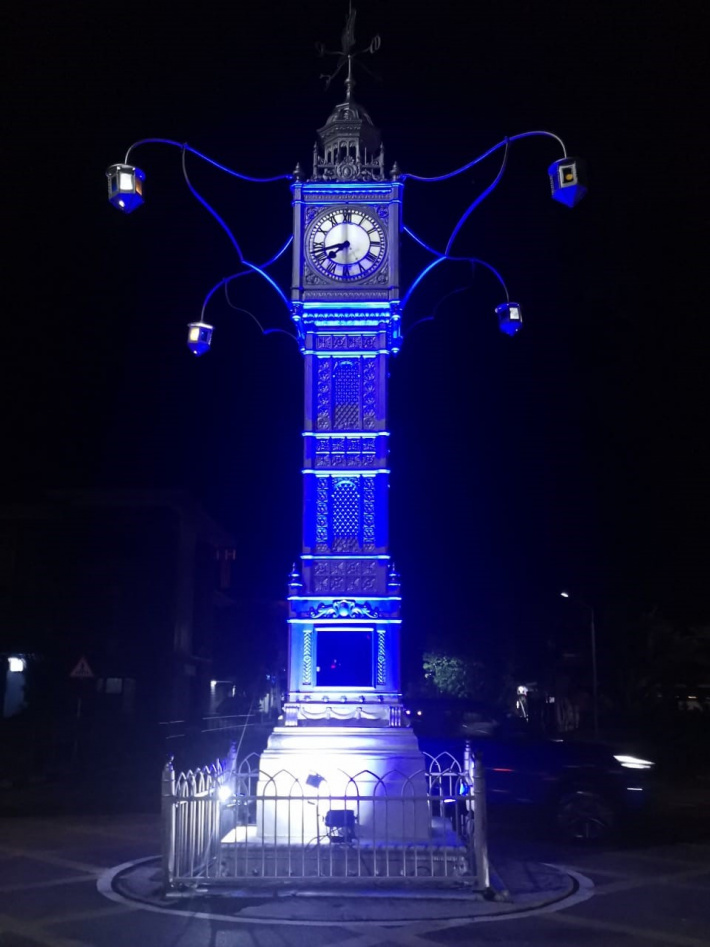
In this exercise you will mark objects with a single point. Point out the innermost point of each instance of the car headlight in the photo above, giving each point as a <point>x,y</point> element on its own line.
<point>633,762</point>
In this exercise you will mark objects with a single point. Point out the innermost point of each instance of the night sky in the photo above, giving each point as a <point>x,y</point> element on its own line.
<point>575,454</point>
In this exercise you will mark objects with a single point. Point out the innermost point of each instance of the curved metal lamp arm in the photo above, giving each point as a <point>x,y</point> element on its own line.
<point>248,272</point>
<point>211,210</point>
<point>440,257</point>
<point>501,144</point>
<point>252,266</point>
<point>185,147</point>
<point>481,197</point>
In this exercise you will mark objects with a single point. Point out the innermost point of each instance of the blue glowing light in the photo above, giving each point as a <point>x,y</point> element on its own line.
<point>348,473</point>
<point>319,353</point>
<point>510,318</point>
<point>351,598</point>
<point>344,621</point>
<point>343,555</point>
<point>346,434</point>
<point>199,337</point>
<point>568,181</point>
<point>346,307</point>
<point>125,187</point>
<point>350,188</point>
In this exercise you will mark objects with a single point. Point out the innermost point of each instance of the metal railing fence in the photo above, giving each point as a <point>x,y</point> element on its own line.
<point>233,824</point>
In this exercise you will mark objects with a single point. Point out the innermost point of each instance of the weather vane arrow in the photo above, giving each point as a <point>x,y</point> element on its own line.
<point>347,53</point>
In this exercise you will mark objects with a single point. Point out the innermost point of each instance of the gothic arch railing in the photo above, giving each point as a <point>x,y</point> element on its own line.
<point>237,822</point>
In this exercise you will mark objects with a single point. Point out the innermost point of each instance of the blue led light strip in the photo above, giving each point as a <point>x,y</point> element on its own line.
<point>337,555</point>
<point>351,353</point>
<point>350,598</point>
<point>349,472</point>
<point>233,239</point>
<point>346,434</point>
<point>345,307</point>
<point>228,279</point>
<point>440,257</point>
<point>344,621</point>
<point>349,188</point>
<point>185,147</point>
<point>474,204</point>
<point>451,174</point>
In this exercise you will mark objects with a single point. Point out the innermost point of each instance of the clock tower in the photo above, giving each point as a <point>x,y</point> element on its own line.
<point>343,711</point>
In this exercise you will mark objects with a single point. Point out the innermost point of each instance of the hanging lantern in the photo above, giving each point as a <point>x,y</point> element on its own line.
<point>199,337</point>
<point>510,318</point>
<point>125,187</point>
<point>568,180</point>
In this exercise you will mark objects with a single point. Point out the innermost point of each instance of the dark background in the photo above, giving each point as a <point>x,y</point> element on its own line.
<point>575,454</point>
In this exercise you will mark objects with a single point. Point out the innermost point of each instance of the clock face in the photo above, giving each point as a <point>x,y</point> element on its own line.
<point>346,243</point>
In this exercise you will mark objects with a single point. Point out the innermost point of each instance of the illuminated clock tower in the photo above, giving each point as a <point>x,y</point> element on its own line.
<point>343,711</point>
<point>345,607</point>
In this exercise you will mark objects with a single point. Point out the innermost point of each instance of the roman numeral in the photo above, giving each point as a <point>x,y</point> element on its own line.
<point>371,256</point>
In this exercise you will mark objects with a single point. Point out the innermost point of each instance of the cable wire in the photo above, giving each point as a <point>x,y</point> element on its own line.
<point>212,211</point>
<point>481,197</point>
<point>185,147</point>
<point>227,230</point>
<point>465,167</point>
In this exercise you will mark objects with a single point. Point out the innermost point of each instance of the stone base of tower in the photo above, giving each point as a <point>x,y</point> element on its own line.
<point>372,781</point>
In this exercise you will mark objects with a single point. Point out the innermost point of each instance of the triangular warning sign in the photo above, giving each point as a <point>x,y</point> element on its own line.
<point>82,669</point>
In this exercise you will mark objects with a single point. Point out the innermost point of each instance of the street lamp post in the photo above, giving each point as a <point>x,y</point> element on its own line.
<point>593,644</point>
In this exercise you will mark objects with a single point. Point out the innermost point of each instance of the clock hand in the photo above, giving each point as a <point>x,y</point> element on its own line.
<point>336,248</point>
<point>333,248</point>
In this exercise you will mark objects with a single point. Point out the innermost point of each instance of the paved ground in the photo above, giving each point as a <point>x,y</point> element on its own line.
<point>653,889</point>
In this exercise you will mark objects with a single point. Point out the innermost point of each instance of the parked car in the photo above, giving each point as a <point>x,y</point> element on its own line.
<point>584,790</point>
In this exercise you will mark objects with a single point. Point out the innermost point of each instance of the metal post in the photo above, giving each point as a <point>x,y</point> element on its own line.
<point>480,826</point>
<point>167,811</point>
<point>595,691</point>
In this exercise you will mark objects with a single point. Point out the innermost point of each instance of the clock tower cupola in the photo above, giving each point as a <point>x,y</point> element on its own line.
<point>349,147</point>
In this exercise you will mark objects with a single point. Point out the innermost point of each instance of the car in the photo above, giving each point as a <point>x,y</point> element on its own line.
<point>585,791</point>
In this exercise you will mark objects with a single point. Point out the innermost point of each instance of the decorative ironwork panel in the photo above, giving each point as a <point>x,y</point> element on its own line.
<point>369,394</point>
<point>308,656</point>
<point>346,516</point>
<point>342,577</point>
<point>322,511</point>
<point>381,657</point>
<point>346,396</point>
<point>323,394</point>
<point>368,517</point>
<point>351,452</point>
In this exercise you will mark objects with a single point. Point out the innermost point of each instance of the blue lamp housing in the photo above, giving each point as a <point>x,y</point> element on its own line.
<point>510,318</point>
<point>568,180</point>
<point>199,337</point>
<point>125,187</point>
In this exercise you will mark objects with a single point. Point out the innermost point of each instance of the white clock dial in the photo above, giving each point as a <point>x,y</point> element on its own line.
<point>346,243</point>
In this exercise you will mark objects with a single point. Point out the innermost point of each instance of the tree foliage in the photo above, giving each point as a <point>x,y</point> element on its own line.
<point>450,675</point>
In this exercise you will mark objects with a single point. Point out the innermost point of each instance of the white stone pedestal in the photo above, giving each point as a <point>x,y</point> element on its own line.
<point>376,773</point>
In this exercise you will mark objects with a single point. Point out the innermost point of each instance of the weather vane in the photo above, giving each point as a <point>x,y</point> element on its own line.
<point>348,53</point>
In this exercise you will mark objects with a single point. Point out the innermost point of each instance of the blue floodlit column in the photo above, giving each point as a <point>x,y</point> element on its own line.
<point>342,729</point>
<point>344,607</point>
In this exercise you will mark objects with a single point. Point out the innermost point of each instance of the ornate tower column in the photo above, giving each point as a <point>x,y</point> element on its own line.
<point>344,613</point>
<point>343,713</point>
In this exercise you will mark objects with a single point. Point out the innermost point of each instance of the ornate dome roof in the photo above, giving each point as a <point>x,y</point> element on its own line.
<point>349,112</point>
